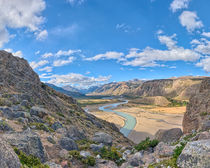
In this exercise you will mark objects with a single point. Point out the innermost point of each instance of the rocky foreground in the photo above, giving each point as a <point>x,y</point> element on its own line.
<point>41,128</point>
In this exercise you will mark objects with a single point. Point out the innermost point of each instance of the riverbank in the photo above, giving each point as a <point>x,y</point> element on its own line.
<point>148,118</point>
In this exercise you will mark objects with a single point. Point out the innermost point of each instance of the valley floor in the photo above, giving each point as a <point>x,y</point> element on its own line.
<point>149,118</point>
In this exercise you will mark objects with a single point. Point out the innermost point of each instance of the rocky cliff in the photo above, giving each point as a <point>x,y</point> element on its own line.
<point>197,116</point>
<point>178,88</point>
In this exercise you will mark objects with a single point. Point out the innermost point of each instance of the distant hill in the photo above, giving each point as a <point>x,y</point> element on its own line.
<point>83,91</point>
<point>74,94</point>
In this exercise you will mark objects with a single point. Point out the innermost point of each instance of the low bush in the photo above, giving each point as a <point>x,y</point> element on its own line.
<point>147,143</point>
<point>112,154</point>
<point>29,161</point>
<point>89,161</point>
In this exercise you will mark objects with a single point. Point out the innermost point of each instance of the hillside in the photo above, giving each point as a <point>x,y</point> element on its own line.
<point>40,121</point>
<point>177,88</point>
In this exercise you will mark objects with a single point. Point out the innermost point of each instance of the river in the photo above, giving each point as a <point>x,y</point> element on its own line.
<point>130,121</point>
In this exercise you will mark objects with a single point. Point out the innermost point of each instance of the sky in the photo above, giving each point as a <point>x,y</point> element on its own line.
<point>83,43</point>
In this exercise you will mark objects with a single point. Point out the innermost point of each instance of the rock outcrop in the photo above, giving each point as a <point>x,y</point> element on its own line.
<point>195,155</point>
<point>8,158</point>
<point>168,136</point>
<point>197,116</point>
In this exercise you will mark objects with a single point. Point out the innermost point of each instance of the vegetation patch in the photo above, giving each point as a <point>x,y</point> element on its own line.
<point>89,161</point>
<point>41,126</point>
<point>147,143</point>
<point>112,154</point>
<point>177,103</point>
<point>203,114</point>
<point>29,161</point>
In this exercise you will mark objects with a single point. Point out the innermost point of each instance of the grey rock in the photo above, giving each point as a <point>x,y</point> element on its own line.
<point>102,137</point>
<point>126,154</point>
<point>163,150</point>
<point>75,134</point>
<point>204,135</point>
<point>23,120</point>
<point>37,111</point>
<point>56,126</point>
<point>4,126</point>
<point>68,144</point>
<point>8,158</point>
<point>28,142</point>
<point>53,165</point>
<point>7,112</point>
<point>100,163</point>
<point>136,159</point>
<point>85,154</point>
<point>168,136</point>
<point>96,148</point>
<point>196,154</point>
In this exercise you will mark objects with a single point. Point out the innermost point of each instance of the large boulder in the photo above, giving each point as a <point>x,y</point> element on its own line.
<point>168,136</point>
<point>68,144</point>
<point>198,110</point>
<point>28,142</point>
<point>196,154</point>
<point>73,133</point>
<point>8,158</point>
<point>102,137</point>
<point>163,150</point>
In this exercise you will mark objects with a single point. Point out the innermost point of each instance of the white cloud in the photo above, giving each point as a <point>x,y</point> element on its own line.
<point>75,79</point>
<point>206,34</point>
<point>66,53</point>
<point>46,69</point>
<point>76,2</point>
<point>47,55</point>
<point>42,35</point>
<point>35,65</point>
<point>58,63</point>
<point>190,20</point>
<point>179,4</point>
<point>17,53</point>
<point>37,52</point>
<point>127,28</point>
<point>203,47</point>
<point>107,56</point>
<point>20,14</point>
<point>149,56</point>
<point>205,64</point>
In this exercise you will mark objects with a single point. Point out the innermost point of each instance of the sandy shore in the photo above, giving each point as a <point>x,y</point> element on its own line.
<point>149,119</point>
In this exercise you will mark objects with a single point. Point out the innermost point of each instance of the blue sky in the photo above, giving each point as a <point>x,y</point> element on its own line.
<point>89,42</point>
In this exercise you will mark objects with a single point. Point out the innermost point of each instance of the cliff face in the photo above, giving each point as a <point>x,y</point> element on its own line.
<point>197,116</point>
<point>179,88</point>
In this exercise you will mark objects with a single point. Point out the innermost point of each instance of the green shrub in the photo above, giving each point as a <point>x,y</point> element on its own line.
<point>203,114</point>
<point>41,126</point>
<point>176,103</point>
<point>178,150</point>
<point>112,154</point>
<point>75,154</point>
<point>147,143</point>
<point>29,161</point>
<point>90,161</point>
<point>165,163</point>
